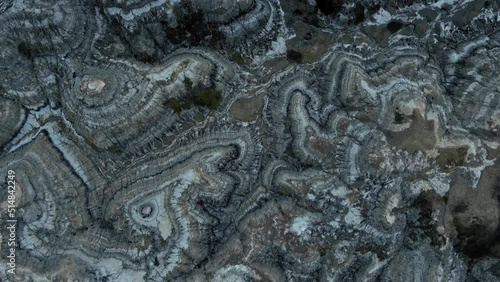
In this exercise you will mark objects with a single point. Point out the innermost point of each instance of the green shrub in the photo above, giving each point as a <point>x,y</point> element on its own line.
<point>394,26</point>
<point>398,118</point>
<point>204,97</point>
<point>175,105</point>
<point>208,97</point>
<point>188,83</point>
<point>293,55</point>
<point>237,58</point>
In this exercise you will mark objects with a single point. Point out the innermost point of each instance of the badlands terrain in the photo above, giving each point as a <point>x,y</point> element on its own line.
<point>251,140</point>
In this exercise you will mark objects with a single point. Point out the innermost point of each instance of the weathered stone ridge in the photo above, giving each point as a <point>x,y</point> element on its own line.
<point>263,140</point>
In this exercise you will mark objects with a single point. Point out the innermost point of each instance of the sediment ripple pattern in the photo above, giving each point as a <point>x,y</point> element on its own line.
<point>272,141</point>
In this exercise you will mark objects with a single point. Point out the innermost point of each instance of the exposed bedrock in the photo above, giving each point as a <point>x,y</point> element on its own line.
<point>112,106</point>
<point>196,140</point>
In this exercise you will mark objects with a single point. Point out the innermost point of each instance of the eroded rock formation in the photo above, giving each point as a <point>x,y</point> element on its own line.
<point>252,140</point>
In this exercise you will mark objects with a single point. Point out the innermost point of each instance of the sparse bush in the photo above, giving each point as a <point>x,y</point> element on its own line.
<point>394,26</point>
<point>293,55</point>
<point>330,7</point>
<point>238,58</point>
<point>25,50</point>
<point>208,97</point>
<point>188,83</point>
<point>175,105</point>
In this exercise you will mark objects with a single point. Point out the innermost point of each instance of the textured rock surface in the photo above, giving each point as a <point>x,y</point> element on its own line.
<point>264,140</point>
